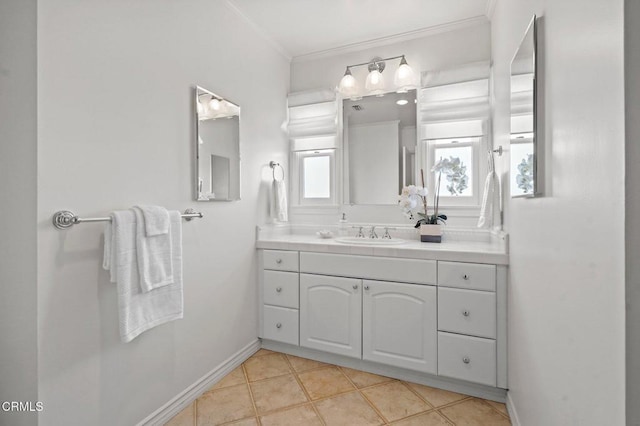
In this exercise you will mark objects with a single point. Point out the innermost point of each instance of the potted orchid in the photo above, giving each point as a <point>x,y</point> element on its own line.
<point>413,201</point>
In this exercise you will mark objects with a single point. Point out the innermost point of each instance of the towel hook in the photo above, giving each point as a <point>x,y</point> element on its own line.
<point>498,150</point>
<point>273,166</point>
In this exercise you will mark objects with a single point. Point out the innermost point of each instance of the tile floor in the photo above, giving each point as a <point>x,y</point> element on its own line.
<point>274,389</point>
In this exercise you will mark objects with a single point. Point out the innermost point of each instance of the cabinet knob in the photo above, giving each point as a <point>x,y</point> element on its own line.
<point>466,360</point>
<point>466,313</point>
<point>278,289</point>
<point>355,286</point>
<point>278,325</point>
<point>465,277</point>
<point>279,261</point>
<point>366,287</point>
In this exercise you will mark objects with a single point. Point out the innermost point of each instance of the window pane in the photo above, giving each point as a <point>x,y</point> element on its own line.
<point>457,176</point>
<point>317,177</point>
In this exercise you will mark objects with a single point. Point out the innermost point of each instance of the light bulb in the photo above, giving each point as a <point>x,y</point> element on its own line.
<point>404,78</point>
<point>375,83</point>
<point>402,102</point>
<point>348,85</point>
<point>214,104</point>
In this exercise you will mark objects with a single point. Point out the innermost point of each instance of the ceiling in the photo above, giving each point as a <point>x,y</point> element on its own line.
<point>304,27</point>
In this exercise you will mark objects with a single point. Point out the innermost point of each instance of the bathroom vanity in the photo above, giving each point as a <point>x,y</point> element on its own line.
<point>429,313</point>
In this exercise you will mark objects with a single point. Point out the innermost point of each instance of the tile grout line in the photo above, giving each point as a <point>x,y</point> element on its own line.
<point>415,392</point>
<point>304,390</point>
<point>253,402</point>
<point>494,409</point>
<point>374,408</point>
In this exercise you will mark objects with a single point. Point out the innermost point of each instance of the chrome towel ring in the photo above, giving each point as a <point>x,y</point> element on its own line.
<point>273,166</point>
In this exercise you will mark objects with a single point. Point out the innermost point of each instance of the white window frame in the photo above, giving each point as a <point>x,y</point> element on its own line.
<point>478,145</point>
<point>297,173</point>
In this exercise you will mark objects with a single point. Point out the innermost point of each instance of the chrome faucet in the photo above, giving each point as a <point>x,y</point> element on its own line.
<point>386,235</point>
<point>360,234</point>
<point>373,234</point>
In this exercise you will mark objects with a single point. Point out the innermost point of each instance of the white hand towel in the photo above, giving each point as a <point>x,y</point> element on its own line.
<point>156,220</point>
<point>279,201</point>
<point>140,311</point>
<point>490,198</point>
<point>154,255</point>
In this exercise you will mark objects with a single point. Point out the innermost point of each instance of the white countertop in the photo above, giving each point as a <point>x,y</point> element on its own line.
<point>492,250</point>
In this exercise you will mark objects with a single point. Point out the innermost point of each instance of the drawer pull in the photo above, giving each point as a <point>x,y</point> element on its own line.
<point>355,286</point>
<point>466,360</point>
<point>279,261</point>
<point>278,325</point>
<point>465,277</point>
<point>466,313</point>
<point>278,289</point>
<point>366,287</point>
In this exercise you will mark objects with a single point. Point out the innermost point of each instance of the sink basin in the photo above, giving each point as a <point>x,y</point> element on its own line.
<point>370,241</point>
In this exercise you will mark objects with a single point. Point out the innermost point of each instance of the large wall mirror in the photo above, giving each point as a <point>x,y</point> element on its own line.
<point>379,134</point>
<point>217,147</point>
<point>524,140</point>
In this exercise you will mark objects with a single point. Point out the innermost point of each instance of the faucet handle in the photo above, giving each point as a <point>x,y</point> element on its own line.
<point>372,233</point>
<point>386,233</point>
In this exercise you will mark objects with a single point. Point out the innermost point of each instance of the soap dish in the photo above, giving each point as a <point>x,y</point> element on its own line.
<point>324,234</point>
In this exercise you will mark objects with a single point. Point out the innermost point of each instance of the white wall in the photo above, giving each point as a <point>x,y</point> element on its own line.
<point>632,206</point>
<point>566,294</point>
<point>18,351</point>
<point>432,52</point>
<point>115,122</point>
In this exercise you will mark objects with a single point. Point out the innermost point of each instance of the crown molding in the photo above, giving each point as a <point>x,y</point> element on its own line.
<point>397,38</point>
<point>491,7</point>
<point>256,28</point>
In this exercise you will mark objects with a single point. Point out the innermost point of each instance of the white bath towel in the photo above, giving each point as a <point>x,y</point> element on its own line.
<point>491,197</point>
<point>279,201</point>
<point>154,255</point>
<point>156,220</point>
<point>139,311</point>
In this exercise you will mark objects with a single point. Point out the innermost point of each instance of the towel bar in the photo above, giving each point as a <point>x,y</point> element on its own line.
<point>65,219</point>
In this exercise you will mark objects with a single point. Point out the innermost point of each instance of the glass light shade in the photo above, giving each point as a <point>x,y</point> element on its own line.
<point>375,83</point>
<point>214,104</point>
<point>348,86</point>
<point>199,108</point>
<point>404,78</point>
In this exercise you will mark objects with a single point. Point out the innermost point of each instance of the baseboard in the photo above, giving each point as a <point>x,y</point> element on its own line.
<point>513,414</point>
<point>186,397</point>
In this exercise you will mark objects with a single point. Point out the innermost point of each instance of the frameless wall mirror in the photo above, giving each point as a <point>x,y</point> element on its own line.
<point>379,134</point>
<point>524,141</point>
<point>217,147</point>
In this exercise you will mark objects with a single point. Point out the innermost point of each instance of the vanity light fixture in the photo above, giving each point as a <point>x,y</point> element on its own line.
<point>403,80</point>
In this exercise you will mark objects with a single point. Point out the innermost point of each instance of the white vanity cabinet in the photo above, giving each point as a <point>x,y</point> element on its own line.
<point>331,314</point>
<point>279,296</point>
<point>437,322</point>
<point>399,325</point>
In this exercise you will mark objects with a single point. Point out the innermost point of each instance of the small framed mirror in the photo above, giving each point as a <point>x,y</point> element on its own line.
<point>524,120</point>
<point>217,147</point>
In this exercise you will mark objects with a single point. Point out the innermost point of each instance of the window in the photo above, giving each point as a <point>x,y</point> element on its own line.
<point>316,183</point>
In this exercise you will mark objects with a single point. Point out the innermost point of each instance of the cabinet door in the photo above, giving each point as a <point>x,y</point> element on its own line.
<point>330,314</point>
<point>400,325</point>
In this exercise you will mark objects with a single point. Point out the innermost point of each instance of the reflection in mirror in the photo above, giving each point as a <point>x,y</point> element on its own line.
<point>217,148</point>
<point>523,181</point>
<point>380,145</point>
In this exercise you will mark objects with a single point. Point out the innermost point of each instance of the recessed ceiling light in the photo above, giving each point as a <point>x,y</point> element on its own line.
<point>402,101</point>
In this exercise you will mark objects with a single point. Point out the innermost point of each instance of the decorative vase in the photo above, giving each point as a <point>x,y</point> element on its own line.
<point>431,233</point>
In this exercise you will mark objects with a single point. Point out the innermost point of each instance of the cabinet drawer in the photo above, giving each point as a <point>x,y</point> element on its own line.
<point>467,358</point>
<point>370,267</point>
<point>280,260</point>
<point>280,324</point>
<point>280,289</point>
<point>467,312</point>
<point>474,276</point>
